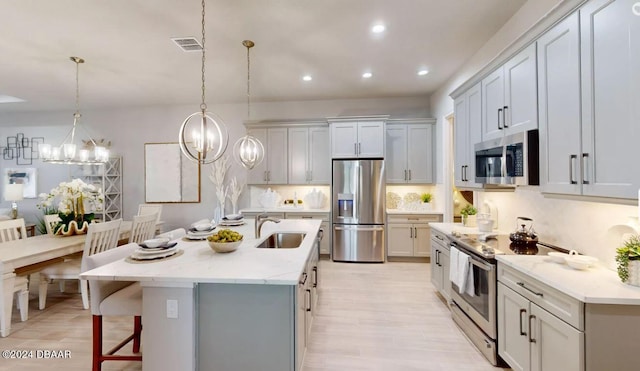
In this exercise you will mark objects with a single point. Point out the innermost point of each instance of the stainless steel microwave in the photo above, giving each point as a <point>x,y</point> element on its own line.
<point>511,160</point>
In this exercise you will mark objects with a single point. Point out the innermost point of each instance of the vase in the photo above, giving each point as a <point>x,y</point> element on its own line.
<point>634,273</point>
<point>469,220</point>
<point>72,229</point>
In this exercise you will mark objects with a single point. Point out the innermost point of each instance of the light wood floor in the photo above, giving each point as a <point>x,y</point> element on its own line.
<point>383,317</point>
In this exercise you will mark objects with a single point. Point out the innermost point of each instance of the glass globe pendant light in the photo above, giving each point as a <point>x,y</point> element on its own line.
<point>69,152</point>
<point>203,136</point>
<point>248,150</point>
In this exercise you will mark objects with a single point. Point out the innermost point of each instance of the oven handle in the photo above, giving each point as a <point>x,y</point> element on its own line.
<point>475,261</point>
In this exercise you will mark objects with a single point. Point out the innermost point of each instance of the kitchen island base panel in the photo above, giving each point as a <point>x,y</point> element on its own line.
<point>161,334</point>
<point>612,335</point>
<point>246,327</point>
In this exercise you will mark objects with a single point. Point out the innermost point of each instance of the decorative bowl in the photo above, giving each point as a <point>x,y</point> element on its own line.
<point>155,242</point>
<point>224,246</point>
<point>203,227</point>
<point>580,261</point>
<point>557,257</point>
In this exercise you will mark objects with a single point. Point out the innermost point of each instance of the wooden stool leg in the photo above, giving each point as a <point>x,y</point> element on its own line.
<point>97,343</point>
<point>137,330</point>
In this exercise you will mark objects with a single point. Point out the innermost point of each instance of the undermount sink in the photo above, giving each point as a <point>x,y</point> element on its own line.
<point>282,240</point>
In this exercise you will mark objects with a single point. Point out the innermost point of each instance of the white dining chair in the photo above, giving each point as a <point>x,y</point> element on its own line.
<point>173,234</point>
<point>145,209</point>
<point>11,230</point>
<point>113,298</point>
<point>100,237</point>
<point>143,228</point>
<point>51,221</point>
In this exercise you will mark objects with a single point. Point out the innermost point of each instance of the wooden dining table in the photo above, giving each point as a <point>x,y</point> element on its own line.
<point>31,254</point>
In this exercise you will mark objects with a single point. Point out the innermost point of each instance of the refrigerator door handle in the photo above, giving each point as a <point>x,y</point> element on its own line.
<point>374,229</point>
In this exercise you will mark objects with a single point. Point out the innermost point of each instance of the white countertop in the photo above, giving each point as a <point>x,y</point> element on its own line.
<point>200,264</point>
<point>414,212</point>
<point>447,228</point>
<point>595,285</point>
<point>284,209</point>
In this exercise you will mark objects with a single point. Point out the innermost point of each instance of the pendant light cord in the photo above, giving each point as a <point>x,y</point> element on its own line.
<point>248,84</point>
<point>203,105</point>
<point>77,114</point>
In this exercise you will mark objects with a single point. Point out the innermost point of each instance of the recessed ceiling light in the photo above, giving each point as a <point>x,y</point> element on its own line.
<point>422,72</point>
<point>307,78</point>
<point>378,28</point>
<point>367,75</point>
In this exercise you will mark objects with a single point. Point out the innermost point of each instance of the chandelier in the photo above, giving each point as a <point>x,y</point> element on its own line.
<point>205,139</point>
<point>248,150</point>
<point>69,152</point>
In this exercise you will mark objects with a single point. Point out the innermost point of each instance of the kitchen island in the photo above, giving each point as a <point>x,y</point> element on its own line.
<point>244,310</point>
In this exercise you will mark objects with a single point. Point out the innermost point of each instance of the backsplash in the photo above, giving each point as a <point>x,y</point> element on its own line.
<point>287,192</point>
<point>591,228</point>
<point>403,190</point>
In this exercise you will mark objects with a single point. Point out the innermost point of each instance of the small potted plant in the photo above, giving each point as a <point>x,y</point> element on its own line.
<point>628,261</point>
<point>469,216</point>
<point>426,201</point>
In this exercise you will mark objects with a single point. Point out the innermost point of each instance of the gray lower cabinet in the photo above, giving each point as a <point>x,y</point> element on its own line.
<point>440,254</point>
<point>256,327</point>
<point>409,235</point>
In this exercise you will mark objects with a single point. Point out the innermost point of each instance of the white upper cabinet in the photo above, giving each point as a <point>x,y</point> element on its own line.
<point>409,152</point>
<point>273,170</point>
<point>467,129</point>
<point>559,107</point>
<point>510,96</point>
<point>360,138</point>
<point>309,161</point>
<point>610,57</point>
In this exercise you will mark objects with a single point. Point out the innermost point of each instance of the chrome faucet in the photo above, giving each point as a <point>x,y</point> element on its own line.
<point>261,219</point>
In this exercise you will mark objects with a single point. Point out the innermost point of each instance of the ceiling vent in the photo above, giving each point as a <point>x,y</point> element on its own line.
<point>187,44</point>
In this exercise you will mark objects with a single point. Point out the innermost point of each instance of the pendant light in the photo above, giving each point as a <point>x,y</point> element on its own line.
<point>205,139</point>
<point>69,152</point>
<point>248,150</point>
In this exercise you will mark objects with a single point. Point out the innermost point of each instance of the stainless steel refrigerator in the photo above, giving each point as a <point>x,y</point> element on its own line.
<point>358,211</point>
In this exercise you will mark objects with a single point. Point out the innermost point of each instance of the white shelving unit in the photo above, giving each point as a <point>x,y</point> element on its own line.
<point>107,177</point>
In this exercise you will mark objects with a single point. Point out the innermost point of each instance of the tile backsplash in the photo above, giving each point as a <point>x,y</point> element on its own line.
<point>591,228</point>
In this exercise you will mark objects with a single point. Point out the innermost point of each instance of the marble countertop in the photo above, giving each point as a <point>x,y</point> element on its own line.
<point>595,285</point>
<point>413,212</point>
<point>200,264</point>
<point>284,209</point>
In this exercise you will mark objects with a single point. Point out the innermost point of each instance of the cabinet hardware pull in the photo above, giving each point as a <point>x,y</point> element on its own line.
<point>264,175</point>
<point>504,117</point>
<point>359,149</point>
<point>315,276</point>
<point>309,300</point>
<point>306,217</point>
<point>355,148</point>
<point>440,238</point>
<point>409,174</point>
<point>405,175</point>
<point>521,284</point>
<point>304,278</point>
<point>522,332</point>
<point>415,232</point>
<point>585,157</point>
<point>410,232</point>
<point>438,259</point>
<point>571,158</point>
<point>499,113</point>
<point>531,339</point>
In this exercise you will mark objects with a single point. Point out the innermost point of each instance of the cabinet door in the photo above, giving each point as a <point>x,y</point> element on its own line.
<point>460,140</point>
<point>396,156</point>
<point>421,240</point>
<point>325,243</point>
<point>400,239</point>
<point>445,286</point>
<point>258,175</point>
<point>513,328</point>
<point>371,139</point>
<point>521,92</point>
<point>298,141</point>
<point>610,56</point>
<point>474,136</point>
<point>319,157</point>
<point>277,156</point>
<point>301,330</point>
<point>419,153</point>
<point>555,344</point>
<point>344,140</point>
<point>493,105</point>
<point>436,269</point>
<point>559,107</point>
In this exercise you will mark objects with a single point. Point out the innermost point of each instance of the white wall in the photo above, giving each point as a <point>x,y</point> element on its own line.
<point>592,228</point>
<point>128,129</point>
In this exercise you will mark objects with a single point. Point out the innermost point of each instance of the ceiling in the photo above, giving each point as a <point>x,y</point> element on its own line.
<point>131,61</point>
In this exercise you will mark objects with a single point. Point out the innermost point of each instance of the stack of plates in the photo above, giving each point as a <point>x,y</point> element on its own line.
<point>232,220</point>
<point>157,253</point>
<point>192,234</point>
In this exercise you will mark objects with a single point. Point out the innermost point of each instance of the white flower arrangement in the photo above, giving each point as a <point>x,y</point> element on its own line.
<point>234,190</point>
<point>73,197</point>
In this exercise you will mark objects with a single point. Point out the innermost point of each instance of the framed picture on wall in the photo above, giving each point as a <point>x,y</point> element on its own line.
<point>26,176</point>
